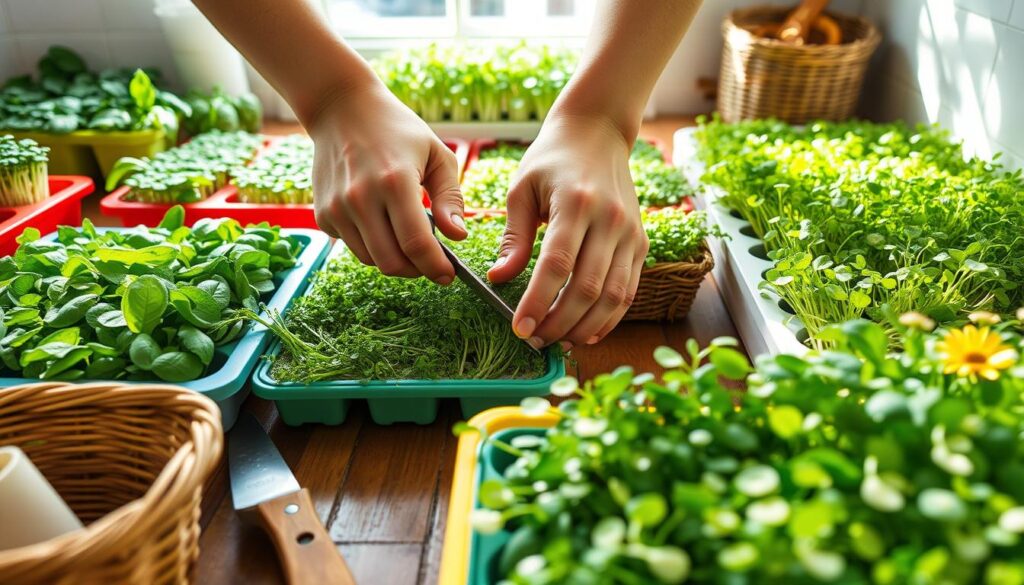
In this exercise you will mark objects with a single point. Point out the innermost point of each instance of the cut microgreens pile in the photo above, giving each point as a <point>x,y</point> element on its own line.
<point>68,97</point>
<point>22,172</point>
<point>676,236</point>
<point>486,181</point>
<point>859,216</point>
<point>486,83</point>
<point>188,173</point>
<point>136,304</point>
<point>848,466</point>
<point>282,174</point>
<point>357,324</point>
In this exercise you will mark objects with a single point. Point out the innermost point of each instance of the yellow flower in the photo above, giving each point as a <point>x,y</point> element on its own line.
<point>971,352</point>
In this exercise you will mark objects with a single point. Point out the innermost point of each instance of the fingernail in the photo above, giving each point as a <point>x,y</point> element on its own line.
<point>457,220</point>
<point>499,262</point>
<point>567,346</point>
<point>443,280</point>
<point>526,327</point>
<point>593,340</point>
<point>536,342</point>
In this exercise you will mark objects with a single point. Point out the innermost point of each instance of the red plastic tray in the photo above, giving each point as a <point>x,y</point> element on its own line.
<point>224,203</point>
<point>62,207</point>
<point>482,144</point>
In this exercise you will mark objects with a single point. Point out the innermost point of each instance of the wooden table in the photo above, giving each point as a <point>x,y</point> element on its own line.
<point>383,491</point>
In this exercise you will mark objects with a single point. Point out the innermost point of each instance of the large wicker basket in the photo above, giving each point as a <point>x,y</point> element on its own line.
<point>766,78</point>
<point>131,461</point>
<point>667,289</point>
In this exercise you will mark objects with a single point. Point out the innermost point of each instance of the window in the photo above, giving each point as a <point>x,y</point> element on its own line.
<point>433,19</point>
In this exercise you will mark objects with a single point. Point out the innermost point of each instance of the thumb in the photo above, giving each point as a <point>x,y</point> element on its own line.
<point>520,233</point>
<point>442,184</point>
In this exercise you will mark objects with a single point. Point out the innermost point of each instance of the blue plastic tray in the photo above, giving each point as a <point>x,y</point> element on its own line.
<point>232,363</point>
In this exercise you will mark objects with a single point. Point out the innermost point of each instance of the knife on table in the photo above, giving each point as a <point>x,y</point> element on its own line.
<point>263,489</point>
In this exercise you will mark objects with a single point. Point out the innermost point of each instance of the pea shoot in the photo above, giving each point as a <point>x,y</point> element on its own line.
<point>281,175</point>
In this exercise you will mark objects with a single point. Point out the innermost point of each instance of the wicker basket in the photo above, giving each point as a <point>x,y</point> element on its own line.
<point>130,459</point>
<point>766,78</point>
<point>667,290</point>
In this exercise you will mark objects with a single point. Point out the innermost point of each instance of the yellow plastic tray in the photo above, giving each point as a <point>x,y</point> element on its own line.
<point>459,532</point>
<point>93,153</point>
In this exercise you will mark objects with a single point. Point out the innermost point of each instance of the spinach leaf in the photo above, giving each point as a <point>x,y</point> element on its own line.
<point>144,303</point>
<point>177,366</point>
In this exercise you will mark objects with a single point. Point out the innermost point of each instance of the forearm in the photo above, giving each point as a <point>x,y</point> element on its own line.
<point>628,47</point>
<point>293,47</point>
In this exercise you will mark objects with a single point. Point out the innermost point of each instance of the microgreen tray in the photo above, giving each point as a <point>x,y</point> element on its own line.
<point>233,362</point>
<point>480,145</point>
<point>225,203</point>
<point>62,207</point>
<point>394,401</point>
<point>468,557</point>
<point>765,324</point>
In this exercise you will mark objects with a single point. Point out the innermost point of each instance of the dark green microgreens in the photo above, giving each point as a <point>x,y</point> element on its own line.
<point>677,236</point>
<point>467,82</point>
<point>357,324</point>
<point>22,172</point>
<point>222,112</point>
<point>188,173</point>
<point>857,217</point>
<point>138,304</point>
<point>68,97</point>
<point>849,466</point>
<point>658,184</point>
<point>281,175</point>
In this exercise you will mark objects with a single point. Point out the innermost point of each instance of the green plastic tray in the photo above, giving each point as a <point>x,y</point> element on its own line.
<point>394,401</point>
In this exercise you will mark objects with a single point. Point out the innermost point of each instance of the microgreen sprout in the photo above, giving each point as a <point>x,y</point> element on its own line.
<point>22,172</point>
<point>863,219</point>
<point>852,465</point>
<point>281,175</point>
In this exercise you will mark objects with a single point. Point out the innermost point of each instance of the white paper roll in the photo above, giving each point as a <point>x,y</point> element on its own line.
<point>32,511</point>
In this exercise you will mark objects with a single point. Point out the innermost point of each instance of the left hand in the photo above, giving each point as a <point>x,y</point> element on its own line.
<point>576,177</point>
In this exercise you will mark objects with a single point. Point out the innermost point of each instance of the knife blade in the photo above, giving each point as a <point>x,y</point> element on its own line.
<point>263,489</point>
<point>474,282</point>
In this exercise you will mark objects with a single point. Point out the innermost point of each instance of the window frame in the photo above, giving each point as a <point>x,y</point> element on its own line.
<point>458,24</point>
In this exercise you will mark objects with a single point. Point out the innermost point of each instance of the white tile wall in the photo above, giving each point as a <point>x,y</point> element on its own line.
<point>955,63</point>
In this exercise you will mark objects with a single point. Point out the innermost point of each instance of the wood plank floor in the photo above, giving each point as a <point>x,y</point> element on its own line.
<point>382,492</point>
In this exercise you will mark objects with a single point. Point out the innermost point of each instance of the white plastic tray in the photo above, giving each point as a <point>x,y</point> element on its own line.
<point>764,326</point>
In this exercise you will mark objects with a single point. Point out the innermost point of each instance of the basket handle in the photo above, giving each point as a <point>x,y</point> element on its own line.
<point>308,555</point>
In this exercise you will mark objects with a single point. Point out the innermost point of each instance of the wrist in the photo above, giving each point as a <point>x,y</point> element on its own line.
<point>352,83</point>
<point>578,102</point>
<point>601,125</point>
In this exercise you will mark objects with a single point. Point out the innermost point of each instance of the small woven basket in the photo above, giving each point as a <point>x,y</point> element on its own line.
<point>667,289</point>
<point>766,78</point>
<point>131,461</point>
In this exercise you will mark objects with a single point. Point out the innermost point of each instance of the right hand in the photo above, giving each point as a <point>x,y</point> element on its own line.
<point>373,156</point>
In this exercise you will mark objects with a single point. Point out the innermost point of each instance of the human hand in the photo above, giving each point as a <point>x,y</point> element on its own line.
<point>576,177</point>
<point>372,158</point>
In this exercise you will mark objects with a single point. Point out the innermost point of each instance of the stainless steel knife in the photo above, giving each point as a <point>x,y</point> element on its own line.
<point>474,282</point>
<point>263,489</point>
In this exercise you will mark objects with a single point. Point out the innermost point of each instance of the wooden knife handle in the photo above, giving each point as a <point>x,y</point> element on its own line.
<point>308,555</point>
